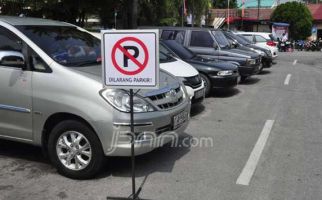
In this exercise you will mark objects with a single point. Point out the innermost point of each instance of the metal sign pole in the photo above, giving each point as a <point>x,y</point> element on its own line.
<point>115,66</point>
<point>135,194</point>
<point>132,145</point>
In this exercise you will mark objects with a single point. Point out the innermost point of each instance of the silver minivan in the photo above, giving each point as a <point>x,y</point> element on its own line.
<point>51,95</point>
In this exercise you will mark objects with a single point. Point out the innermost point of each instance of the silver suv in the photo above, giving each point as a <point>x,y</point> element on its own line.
<point>52,96</point>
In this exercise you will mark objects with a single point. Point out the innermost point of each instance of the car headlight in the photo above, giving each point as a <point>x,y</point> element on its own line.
<point>225,73</point>
<point>260,52</point>
<point>251,61</point>
<point>120,99</point>
<point>184,80</point>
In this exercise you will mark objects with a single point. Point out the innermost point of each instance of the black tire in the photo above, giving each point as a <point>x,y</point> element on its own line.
<point>208,85</point>
<point>97,155</point>
<point>261,68</point>
<point>243,78</point>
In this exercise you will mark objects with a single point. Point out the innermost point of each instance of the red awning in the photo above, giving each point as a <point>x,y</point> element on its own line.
<point>316,11</point>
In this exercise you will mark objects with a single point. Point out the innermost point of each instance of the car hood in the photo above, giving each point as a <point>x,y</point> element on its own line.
<point>95,72</point>
<point>257,47</point>
<point>245,53</point>
<point>208,62</point>
<point>179,68</point>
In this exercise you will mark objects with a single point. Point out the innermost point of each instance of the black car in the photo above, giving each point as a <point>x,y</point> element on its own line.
<point>213,43</point>
<point>215,74</point>
<point>243,43</point>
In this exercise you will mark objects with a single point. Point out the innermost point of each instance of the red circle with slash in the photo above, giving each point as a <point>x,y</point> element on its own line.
<point>141,66</point>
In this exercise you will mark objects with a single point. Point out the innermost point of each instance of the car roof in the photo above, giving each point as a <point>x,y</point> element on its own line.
<point>18,21</point>
<point>255,33</point>
<point>178,28</point>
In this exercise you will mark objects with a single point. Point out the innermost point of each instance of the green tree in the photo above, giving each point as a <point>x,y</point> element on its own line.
<point>297,15</point>
<point>223,4</point>
<point>198,8</point>
<point>169,12</point>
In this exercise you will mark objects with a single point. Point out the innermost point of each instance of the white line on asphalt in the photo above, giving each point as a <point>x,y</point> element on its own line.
<point>287,79</point>
<point>250,167</point>
<point>295,62</point>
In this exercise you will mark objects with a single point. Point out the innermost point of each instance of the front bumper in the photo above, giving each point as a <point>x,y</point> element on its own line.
<point>158,124</point>
<point>267,62</point>
<point>224,81</point>
<point>274,53</point>
<point>196,95</point>
<point>248,70</point>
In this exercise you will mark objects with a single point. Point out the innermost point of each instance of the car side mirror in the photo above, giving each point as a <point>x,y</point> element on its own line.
<point>234,44</point>
<point>12,59</point>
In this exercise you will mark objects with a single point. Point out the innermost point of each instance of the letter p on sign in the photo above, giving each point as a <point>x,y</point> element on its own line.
<point>129,56</point>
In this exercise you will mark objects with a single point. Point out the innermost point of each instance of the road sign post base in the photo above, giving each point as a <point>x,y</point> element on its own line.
<point>135,194</point>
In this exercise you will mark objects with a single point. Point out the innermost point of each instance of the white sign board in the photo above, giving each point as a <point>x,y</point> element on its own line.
<point>131,59</point>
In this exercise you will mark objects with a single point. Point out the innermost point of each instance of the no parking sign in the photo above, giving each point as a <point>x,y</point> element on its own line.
<point>131,59</point>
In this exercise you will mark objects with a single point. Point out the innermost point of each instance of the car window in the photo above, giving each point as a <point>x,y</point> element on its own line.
<point>67,45</point>
<point>201,39</point>
<point>165,50</point>
<point>271,36</point>
<point>37,63</point>
<point>260,38</point>
<point>164,58</point>
<point>243,40</point>
<point>178,49</point>
<point>249,37</point>
<point>238,38</point>
<point>9,41</point>
<point>176,35</point>
<point>221,39</point>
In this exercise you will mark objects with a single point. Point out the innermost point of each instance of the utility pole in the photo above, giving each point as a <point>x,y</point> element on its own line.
<point>228,22</point>
<point>258,6</point>
<point>133,14</point>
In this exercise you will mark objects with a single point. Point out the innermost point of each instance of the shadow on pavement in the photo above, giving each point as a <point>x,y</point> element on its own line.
<point>22,151</point>
<point>264,72</point>
<point>160,160</point>
<point>196,109</point>
<point>225,93</point>
<point>250,81</point>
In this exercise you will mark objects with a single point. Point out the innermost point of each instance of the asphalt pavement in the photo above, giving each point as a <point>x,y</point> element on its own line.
<point>266,144</point>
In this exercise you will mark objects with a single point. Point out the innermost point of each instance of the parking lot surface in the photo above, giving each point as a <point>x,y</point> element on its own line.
<point>266,144</point>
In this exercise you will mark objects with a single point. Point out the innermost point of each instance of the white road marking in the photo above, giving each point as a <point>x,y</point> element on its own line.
<point>287,79</point>
<point>295,62</point>
<point>250,167</point>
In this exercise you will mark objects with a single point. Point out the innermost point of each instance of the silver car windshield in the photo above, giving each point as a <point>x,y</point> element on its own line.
<point>67,45</point>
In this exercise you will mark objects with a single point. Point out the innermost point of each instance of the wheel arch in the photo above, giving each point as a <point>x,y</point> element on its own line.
<point>55,119</point>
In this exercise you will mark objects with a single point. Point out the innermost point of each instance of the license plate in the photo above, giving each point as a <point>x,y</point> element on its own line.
<point>179,119</point>
<point>199,93</point>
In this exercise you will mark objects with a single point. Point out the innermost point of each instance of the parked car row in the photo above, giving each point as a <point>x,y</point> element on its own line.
<point>51,78</point>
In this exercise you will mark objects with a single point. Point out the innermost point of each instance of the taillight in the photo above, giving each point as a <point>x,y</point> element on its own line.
<point>271,43</point>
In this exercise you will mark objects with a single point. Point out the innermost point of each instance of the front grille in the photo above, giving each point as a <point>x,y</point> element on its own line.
<point>194,81</point>
<point>168,98</point>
